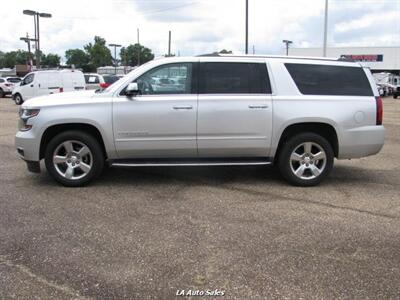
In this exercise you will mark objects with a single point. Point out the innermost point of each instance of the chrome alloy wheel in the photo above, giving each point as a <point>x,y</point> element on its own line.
<point>308,160</point>
<point>73,160</point>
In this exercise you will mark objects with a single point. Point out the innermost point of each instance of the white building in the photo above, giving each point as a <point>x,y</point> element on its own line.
<point>378,59</point>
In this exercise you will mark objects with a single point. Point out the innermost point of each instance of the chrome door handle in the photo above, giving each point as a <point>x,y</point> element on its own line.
<point>258,106</point>
<point>182,107</point>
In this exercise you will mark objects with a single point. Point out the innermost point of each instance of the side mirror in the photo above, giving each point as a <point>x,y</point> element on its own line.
<point>132,89</point>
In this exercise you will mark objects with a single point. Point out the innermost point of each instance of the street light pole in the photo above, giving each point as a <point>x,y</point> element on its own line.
<point>325,28</point>
<point>115,55</point>
<point>138,54</point>
<point>28,41</point>
<point>287,42</point>
<point>247,28</point>
<point>36,15</point>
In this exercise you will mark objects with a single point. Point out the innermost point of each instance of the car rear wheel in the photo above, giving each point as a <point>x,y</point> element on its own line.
<point>306,159</point>
<point>74,158</point>
<point>18,99</point>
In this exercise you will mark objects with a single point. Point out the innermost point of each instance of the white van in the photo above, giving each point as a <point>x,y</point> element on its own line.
<point>47,82</point>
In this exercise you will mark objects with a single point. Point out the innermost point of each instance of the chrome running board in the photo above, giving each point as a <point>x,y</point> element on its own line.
<point>189,163</point>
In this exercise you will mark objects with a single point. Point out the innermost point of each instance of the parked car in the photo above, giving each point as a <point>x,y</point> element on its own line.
<point>7,85</point>
<point>381,89</point>
<point>40,83</point>
<point>97,81</point>
<point>396,92</point>
<point>234,110</point>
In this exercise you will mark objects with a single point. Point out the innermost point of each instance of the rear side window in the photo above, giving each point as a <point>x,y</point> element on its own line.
<point>330,80</point>
<point>91,79</point>
<point>14,80</point>
<point>234,78</point>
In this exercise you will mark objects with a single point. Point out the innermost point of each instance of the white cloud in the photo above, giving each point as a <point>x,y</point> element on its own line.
<point>198,26</point>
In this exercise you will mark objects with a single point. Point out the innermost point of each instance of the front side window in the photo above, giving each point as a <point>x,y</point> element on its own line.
<point>330,80</point>
<point>28,79</point>
<point>167,79</point>
<point>234,78</point>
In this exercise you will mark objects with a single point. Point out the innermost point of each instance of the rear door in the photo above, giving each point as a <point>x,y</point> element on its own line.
<point>234,110</point>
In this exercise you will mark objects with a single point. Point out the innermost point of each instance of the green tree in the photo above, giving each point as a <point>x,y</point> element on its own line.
<point>129,55</point>
<point>50,60</point>
<point>12,58</point>
<point>224,51</point>
<point>99,54</point>
<point>77,57</point>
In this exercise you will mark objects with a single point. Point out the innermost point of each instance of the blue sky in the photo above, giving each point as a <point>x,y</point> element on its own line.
<point>203,26</point>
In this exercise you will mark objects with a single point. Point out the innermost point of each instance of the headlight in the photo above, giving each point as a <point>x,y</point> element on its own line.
<point>25,114</point>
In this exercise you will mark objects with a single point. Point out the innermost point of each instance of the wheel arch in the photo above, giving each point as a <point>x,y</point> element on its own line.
<point>53,130</point>
<point>326,130</point>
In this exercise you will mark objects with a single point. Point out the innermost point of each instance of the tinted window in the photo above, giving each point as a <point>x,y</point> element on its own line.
<point>110,79</point>
<point>14,79</point>
<point>330,80</point>
<point>92,79</point>
<point>167,79</point>
<point>234,78</point>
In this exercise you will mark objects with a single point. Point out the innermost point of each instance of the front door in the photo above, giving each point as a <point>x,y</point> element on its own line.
<point>235,110</point>
<point>161,120</point>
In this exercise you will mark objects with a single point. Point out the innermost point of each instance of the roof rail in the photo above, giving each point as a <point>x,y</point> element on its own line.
<point>216,54</point>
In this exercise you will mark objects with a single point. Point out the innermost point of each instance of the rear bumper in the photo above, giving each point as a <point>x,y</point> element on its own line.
<point>361,141</point>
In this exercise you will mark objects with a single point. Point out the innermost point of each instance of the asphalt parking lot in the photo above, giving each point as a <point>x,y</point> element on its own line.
<point>146,233</point>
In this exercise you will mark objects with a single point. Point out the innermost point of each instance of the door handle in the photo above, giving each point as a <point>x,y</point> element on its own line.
<point>182,107</point>
<point>31,85</point>
<point>258,106</point>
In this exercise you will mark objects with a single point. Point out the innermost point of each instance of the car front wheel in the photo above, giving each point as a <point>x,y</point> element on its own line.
<point>18,99</point>
<point>306,159</point>
<point>74,158</point>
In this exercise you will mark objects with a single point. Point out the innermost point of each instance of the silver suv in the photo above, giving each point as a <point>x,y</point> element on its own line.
<point>295,112</point>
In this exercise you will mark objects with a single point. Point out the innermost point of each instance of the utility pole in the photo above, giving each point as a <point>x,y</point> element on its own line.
<point>287,42</point>
<point>169,43</point>
<point>247,28</point>
<point>36,16</point>
<point>28,41</point>
<point>325,28</point>
<point>138,54</point>
<point>115,56</point>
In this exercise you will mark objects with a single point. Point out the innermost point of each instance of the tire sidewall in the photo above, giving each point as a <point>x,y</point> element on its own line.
<point>287,149</point>
<point>20,101</point>
<point>90,142</point>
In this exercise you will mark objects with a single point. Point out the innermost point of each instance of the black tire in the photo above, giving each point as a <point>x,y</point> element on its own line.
<point>1,93</point>
<point>18,99</point>
<point>394,96</point>
<point>97,157</point>
<point>287,166</point>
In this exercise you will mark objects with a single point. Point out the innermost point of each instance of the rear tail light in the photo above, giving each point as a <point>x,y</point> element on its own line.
<point>379,111</point>
<point>61,89</point>
<point>8,84</point>
<point>104,85</point>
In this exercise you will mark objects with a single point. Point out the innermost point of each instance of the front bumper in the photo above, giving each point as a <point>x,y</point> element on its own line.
<point>27,145</point>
